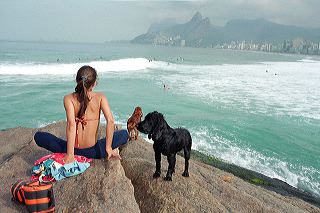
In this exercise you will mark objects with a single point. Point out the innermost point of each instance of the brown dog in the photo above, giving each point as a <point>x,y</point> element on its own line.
<point>132,123</point>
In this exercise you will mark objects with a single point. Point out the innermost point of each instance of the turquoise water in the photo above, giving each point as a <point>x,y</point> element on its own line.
<point>257,110</point>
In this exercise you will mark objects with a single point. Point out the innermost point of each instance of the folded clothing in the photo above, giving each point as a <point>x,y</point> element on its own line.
<point>58,157</point>
<point>51,167</point>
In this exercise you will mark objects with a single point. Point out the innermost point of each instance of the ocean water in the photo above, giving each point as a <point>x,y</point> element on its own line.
<point>257,110</point>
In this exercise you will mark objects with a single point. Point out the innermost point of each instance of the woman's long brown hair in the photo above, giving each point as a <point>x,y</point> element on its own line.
<point>86,77</point>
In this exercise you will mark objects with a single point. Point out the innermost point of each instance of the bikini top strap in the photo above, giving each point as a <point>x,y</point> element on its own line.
<point>83,122</point>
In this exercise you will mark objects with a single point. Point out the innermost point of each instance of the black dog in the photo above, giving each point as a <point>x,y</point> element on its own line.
<point>167,141</point>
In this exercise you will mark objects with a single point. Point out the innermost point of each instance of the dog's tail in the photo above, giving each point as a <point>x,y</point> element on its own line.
<point>190,143</point>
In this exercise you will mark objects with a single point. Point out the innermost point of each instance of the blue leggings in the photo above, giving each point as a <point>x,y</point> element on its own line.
<point>58,145</point>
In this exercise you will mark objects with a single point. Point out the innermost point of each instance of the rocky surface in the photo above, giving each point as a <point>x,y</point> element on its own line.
<point>102,188</point>
<point>128,186</point>
<point>208,189</point>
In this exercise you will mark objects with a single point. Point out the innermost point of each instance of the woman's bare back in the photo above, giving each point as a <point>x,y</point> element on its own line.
<point>88,129</point>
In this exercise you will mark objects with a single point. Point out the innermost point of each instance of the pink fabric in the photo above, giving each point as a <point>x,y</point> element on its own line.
<point>58,157</point>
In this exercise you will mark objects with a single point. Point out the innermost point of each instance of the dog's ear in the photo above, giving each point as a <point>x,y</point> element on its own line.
<point>157,134</point>
<point>157,131</point>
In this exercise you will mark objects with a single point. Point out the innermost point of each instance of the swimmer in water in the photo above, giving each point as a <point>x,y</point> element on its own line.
<point>165,87</point>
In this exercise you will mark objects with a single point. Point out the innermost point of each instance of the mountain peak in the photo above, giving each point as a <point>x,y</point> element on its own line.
<point>198,31</point>
<point>197,17</point>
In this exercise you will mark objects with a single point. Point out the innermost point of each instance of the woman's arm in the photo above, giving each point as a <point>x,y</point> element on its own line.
<point>109,129</point>
<point>70,130</point>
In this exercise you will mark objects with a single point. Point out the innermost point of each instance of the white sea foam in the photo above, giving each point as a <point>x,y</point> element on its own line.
<point>127,64</point>
<point>308,60</point>
<point>120,121</point>
<point>207,141</point>
<point>283,88</point>
<point>43,124</point>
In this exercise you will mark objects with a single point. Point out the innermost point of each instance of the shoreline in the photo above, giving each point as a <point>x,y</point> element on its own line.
<point>223,49</point>
<point>126,42</point>
<point>256,178</point>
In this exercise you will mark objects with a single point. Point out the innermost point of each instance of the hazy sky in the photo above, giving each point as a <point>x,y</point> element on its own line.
<point>102,20</point>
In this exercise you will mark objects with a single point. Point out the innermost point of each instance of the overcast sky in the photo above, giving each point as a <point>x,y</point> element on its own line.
<point>102,20</point>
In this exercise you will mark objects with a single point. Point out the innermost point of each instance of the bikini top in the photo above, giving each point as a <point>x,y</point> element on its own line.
<point>83,122</point>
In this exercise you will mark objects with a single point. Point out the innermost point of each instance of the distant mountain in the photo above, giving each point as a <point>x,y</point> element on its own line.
<point>200,32</point>
<point>263,30</point>
<point>162,25</point>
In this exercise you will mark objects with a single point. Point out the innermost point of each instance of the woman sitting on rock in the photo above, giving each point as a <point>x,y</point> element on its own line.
<point>83,109</point>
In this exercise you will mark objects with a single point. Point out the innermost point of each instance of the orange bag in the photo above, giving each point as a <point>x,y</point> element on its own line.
<point>17,192</point>
<point>37,197</point>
